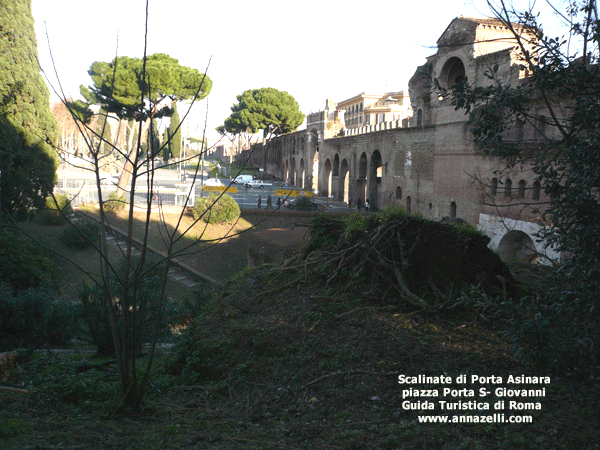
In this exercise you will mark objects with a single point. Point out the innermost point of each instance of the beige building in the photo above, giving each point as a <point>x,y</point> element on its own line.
<point>364,109</point>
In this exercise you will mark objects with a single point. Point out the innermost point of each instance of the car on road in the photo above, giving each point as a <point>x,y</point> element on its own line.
<point>213,182</point>
<point>258,184</point>
<point>242,179</point>
<point>303,204</point>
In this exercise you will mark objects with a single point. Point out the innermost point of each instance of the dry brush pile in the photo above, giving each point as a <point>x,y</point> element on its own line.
<point>397,257</point>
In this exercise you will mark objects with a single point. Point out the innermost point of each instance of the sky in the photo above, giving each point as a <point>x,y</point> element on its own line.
<point>314,49</point>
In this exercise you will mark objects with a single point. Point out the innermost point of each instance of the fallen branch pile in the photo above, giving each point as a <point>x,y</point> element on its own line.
<point>419,262</point>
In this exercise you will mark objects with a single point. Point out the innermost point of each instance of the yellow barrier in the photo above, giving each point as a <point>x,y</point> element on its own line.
<point>292,193</point>
<point>230,189</point>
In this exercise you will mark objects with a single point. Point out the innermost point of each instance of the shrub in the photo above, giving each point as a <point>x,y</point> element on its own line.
<point>303,203</point>
<point>81,236</point>
<point>115,203</point>
<point>391,212</point>
<point>33,318</point>
<point>215,209</point>
<point>96,317</point>
<point>355,228</point>
<point>56,209</point>
<point>23,265</point>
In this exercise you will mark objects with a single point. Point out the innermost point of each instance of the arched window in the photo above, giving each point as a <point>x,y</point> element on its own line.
<point>508,188</point>
<point>535,192</point>
<point>408,204</point>
<point>453,210</point>
<point>453,72</point>
<point>522,187</point>
<point>419,117</point>
<point>398,193</point>
<point>494,186</point>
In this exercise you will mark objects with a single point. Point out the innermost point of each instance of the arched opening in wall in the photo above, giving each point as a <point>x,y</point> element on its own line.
<point>398,193</point>
<point>326,191</point>
<point>315,172</point>
<point>408,204</point>
<point>293,172</point>
<point>344,181</point>
<point>522,188</point>
<point>361,182</point>
<point>336,165</point>
<point>302,174</point>
<point>453,72</point>
<point>517,246</point>
<point>419,117</point>
<point>374,179</point>
<point>494,187</point>
<point>452,210</point>
<point>508,188</point>
<point>535,191</point>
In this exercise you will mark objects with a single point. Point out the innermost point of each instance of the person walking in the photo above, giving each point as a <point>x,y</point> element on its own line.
<point>269,203</point>
<point>259,201</point>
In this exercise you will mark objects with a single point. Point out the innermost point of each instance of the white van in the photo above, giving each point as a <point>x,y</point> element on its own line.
<point>243,179</point>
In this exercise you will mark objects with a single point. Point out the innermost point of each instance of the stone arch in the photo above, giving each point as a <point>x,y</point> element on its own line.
<point>517,246</point>
<point>315,171</point>
<point>508,188</point>
<point>452,210</point>
<point>344,181</point>
<point>361,180</point>
<point>398,193</point>
<point>336,165</point>
<point>419,117</point>
<point>521,188</point>
<point>374,178</point>
<point>302,173</point>
<point>292,179</point>
<point>494,187</point>
<point>453,72</point>
<point>326,191</point>
<point>535,193</point>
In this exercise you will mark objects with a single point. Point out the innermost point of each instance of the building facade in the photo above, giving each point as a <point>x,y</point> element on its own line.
<point>425,158</point>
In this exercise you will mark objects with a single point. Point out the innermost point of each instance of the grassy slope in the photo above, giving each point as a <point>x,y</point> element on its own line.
<point>295,368</point>
<point>290,366</point>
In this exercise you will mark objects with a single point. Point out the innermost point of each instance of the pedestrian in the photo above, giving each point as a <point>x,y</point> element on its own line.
<point>269,203</point>
<point>367,206</point>
<point>259,201</point>
<point>358,204</point>
<point>278,202</point>
<point>349,202</point>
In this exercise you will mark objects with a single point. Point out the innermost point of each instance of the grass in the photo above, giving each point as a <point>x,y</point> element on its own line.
<point>273,365</point>
<point>294,369</point>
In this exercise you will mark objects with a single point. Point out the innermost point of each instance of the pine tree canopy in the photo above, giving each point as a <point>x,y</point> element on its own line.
<point>265,109</point>
<point>117,85</point>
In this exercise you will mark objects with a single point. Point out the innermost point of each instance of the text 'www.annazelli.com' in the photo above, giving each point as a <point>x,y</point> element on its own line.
<point>493,418</point>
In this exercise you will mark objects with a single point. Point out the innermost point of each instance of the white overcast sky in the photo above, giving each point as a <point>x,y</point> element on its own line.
<point>313,49</point>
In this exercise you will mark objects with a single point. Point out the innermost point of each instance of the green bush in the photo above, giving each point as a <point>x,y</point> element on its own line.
<point>303,203</point>
<point>213,209</point>
<point>24,265</point>
<point>95,315</point>
<point>33,318</point>
<point>115,203</point>
<point>56,209</point>
<point>82,235</point>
